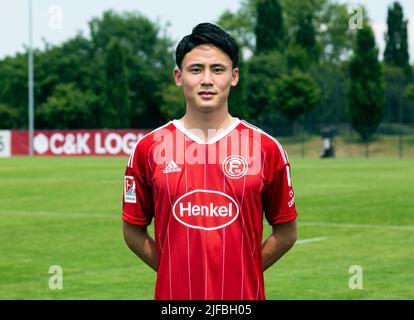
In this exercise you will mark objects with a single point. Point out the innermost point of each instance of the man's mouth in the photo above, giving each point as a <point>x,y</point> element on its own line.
<point>207,94</point>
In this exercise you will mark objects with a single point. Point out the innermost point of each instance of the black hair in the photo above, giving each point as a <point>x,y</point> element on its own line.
<point>208,33</point>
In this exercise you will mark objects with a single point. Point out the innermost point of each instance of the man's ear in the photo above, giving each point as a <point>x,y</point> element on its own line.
<point>235,77</point>
<point>178,77</point>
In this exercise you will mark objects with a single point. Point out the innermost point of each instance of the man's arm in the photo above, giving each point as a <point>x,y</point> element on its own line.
<point>141,243</point>
<point>283,238</point>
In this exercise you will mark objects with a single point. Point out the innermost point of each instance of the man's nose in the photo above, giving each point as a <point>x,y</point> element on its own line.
<point>207,79</point>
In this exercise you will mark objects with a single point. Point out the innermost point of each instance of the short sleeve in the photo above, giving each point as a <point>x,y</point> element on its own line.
<point>278,197</point>
<point>137,207</point>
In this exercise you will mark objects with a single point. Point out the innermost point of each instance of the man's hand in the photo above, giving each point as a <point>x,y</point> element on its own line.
<point>141,243</point>
<point>283,238</point>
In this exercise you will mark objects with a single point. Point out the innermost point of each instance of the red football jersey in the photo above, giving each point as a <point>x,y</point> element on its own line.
<point>207,201</point>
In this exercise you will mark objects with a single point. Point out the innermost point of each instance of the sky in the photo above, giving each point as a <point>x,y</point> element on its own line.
<point>55,21</point>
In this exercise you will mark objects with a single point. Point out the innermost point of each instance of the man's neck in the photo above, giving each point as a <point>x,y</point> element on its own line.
<point>210,123</point>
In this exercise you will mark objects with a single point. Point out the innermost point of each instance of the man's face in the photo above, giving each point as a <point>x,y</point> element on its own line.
<point>206,76</point>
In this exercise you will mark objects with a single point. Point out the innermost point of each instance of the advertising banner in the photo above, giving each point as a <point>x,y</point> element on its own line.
<point>5,144</point>
<point>75,142</point>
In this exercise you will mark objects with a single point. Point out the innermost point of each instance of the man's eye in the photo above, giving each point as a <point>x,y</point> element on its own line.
<point>218,70</point>
<point>195,70</point>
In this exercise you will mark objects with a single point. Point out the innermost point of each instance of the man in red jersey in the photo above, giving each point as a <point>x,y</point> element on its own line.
<point>206,180</point>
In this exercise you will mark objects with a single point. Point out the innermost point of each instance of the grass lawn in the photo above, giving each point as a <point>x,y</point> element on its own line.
<point>66,212</point>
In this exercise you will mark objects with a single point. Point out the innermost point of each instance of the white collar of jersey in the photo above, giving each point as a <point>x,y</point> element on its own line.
<point>222,132</point>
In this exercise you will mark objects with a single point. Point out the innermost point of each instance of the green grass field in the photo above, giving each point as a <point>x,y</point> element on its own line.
<point>66,211</point>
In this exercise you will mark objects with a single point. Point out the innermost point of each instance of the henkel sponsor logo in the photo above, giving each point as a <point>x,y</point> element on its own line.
<point>78,143</point>
<point>205,209</point>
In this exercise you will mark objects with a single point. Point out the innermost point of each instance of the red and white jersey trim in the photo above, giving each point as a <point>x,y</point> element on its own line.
<point>221,133</point>
<point>131,157</point>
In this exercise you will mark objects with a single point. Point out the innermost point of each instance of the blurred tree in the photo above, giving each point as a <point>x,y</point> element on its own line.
<point>366,95</point>
<point>66,108</point>
<point>9,118</point>
<point>395,81</point>
<point>173,105</point>
<point>295,94</point>
<point>398,72</point>
<point>409,96</point>
<point>319,26</point>
<point>409,92</point>
<point>332,44</point>
<point>267,63</point>
<point>297,57</point>
<point>13,87</point>
<point>67,63</point>
<point>305,36</point>
<point>334,39</point>
<point>238,105</point>
<point>117,106</point>
<point>269,26</point>
<point>82,62</point>
<point>241,24</point>
<point>303,18</point>
<point>148,59</point>
<point>333,80</point>
<point>263,70</point>
<point>396,50</point>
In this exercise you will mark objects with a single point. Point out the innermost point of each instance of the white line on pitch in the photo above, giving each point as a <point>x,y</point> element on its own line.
<point>354,225</point>
<point>311,240</point>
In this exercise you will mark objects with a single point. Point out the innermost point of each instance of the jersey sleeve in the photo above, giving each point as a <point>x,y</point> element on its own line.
<point>138,206</point>
<point>278,198</point>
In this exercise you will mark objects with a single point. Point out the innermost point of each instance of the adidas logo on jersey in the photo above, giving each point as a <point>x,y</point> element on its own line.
<point>172,167</point>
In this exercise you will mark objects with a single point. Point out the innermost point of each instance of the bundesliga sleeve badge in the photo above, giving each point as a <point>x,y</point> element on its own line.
<point>129,190</point>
